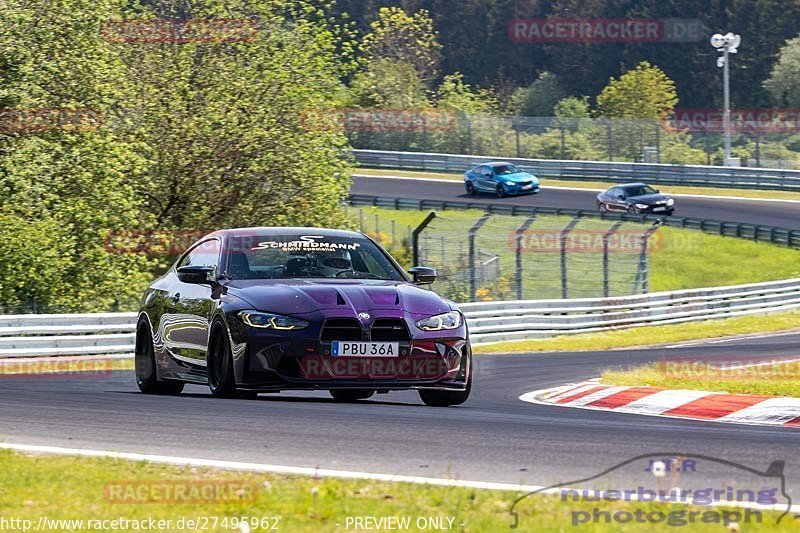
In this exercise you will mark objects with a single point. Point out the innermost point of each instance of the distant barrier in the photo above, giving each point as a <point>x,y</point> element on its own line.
<point>607,171</point>
<point>753,232</point>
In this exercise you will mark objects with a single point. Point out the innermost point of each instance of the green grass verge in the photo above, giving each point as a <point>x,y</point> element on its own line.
<point>779,379</point>
<point>34,486</point>
<point>598,185</point>
<point>651,335</point>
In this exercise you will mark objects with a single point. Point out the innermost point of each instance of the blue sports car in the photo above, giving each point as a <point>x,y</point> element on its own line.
<point>501,179</point>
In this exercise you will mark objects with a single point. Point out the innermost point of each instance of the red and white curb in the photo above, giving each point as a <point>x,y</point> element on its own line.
<point>688,404</point>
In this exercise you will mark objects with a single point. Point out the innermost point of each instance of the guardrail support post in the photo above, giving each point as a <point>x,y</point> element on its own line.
<point>606,275</point>
<point>415,236</point>
<point>564,234</point>
<point>518,251</point>
<point>472,231</point>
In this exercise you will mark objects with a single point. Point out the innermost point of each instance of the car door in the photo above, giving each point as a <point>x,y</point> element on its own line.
<point>617,200</point>
<point>190,306</point>
<point>487,177</point>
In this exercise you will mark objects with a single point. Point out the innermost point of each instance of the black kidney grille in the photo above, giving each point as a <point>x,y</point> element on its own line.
<point>342,329</point>
<point>390,329</point>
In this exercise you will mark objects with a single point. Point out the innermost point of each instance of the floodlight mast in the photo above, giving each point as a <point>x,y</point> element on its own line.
<point>726,44</point>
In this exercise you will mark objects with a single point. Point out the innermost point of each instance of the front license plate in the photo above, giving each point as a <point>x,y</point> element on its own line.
<point>527,187</point>
<point>365,349</point>
<point>657,209</point>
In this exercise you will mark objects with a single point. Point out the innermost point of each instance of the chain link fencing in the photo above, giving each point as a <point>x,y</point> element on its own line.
<point>497,257</point>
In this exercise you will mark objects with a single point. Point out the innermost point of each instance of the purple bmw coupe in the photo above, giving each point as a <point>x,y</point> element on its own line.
<point>269,309</point>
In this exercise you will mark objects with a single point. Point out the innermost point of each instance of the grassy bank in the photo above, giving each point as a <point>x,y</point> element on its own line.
<point>651,335</point>
<point>102,489</point>
<point>778,379</point>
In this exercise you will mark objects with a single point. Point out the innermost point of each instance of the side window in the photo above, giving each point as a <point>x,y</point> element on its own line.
<point>615,192</point>
<point>204,254</point>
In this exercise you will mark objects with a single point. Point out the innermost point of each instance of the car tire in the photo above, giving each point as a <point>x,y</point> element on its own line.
<point>470,188</point>
<point>500,191</point>
<point>602,207</point>
<point>221,379</point>
<point>445,398</point>
<point>351,395</point>
<point>145,364</point>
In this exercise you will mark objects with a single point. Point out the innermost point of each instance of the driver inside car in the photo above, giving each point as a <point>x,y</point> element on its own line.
<point>333,265</point>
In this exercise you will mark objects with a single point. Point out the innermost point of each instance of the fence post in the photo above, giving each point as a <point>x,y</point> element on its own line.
<point>472,231</point>
<point>564,234</point>
<point>608,135</point>
<point>377,226</point>
<point>642,274</point>
<point>606,276</point>
<point>394,232</point>
<point>416,233</point>
<point>361,220</point>
<point>518,251</point>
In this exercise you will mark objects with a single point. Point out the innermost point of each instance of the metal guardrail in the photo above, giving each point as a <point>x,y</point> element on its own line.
<point>535,319</point>
<point>663,174</point>
<point>112,334</point>
<point>753,232</point>
<point>67,334</point>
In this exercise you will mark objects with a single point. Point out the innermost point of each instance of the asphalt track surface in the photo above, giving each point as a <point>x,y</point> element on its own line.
<point>493,437</point>
<point>778,214</point>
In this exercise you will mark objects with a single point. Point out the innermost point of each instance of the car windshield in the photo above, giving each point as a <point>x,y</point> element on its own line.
<point>307,256</point>
<point>639,190</point>
<point>503,170</point>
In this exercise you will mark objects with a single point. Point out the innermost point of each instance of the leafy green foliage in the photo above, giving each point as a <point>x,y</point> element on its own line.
<point>784,82</point>
<point>195,135</point>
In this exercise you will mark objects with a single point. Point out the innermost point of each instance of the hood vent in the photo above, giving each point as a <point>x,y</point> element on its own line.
<point>340,299</point>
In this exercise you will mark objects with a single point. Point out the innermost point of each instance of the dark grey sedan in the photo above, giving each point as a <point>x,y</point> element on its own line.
<point>636,198</point>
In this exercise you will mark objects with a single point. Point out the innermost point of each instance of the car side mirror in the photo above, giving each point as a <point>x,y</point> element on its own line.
<point>197,274</point>
<point>423,275</point>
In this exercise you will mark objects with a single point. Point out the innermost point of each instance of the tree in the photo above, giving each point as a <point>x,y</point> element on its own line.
<point>784,82</point>
<point>540,97</point>
<point>221,123</point>
<point>411,39</point>
<point>62,190</point>
<point>644,92</point>
<point>572,107</point>
<point>634,103</point>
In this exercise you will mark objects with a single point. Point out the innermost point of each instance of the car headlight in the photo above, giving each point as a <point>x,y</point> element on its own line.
<point>670,202</point>
<point>642,206</point>
<point>510,183</point>
<point>451,320</point>
<point>257,319</point>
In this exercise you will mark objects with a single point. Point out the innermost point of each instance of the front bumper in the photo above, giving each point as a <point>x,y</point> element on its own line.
<point>515,190</point>
<point>658,210</point>
<point>272,363</point>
